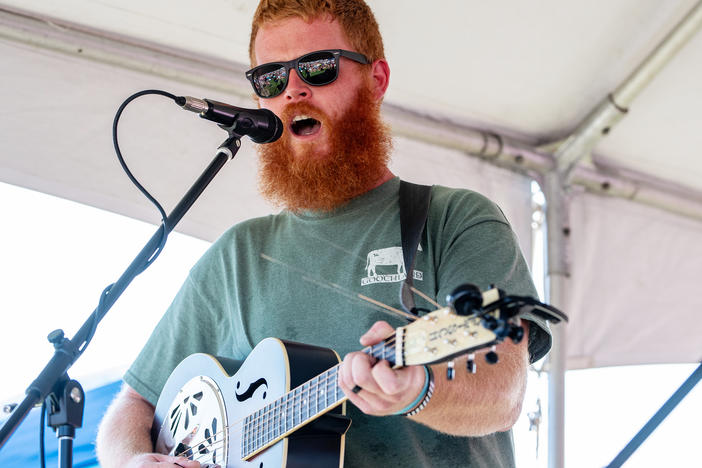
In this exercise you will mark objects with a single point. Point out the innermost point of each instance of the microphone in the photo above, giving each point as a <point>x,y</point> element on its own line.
<point>261,125</point>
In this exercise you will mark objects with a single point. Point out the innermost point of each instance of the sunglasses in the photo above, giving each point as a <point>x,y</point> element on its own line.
<point>316,69</point>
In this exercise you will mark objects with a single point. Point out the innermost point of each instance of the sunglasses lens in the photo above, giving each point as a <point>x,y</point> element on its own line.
<point>269,80</point>
<point>318,68</point>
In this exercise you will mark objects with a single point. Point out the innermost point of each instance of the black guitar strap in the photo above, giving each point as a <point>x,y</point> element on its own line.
<point>414,208</point>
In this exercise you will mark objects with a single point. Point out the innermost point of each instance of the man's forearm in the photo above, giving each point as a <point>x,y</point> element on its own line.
<point>125,430</point>
<point>481,403</point>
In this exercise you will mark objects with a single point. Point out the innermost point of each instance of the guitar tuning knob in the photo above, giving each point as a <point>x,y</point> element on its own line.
<point>516,333</point>
<point>470,364</point>
<point>491,356</point>
<point>466,299</point>
<point>490,322</point>
<point>450,372</point>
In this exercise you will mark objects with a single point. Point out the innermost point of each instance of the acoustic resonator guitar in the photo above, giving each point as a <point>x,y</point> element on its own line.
<point>282,407</point>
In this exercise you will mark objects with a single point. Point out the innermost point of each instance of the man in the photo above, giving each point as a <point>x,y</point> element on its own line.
<point>330,172</point>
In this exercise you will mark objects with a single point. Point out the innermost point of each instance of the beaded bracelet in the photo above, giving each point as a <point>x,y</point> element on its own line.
<point>427,396</point>
<point>423,398</point>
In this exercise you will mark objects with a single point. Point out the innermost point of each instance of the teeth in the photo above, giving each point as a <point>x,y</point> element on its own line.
<point>301,117</point>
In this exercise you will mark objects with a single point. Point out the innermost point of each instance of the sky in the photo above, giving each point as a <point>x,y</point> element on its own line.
<point>56,256</point>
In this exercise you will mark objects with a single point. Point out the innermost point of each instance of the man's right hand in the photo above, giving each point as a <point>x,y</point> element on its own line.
<point>156,460</point>
<point>124,437</point>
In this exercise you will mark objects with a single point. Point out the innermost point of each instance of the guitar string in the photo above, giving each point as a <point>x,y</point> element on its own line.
<point>265,438</point>
<point>425,297</point>
<point>385,347</point>
<point>258,439</point>
<point>342,290</point>
<point>322,378</point>
<point>288,411</point>
<point>339,290</point>
<point>361,259</point>
<point>389,347</point>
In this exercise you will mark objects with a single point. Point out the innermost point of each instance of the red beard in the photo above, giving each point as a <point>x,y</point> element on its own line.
<point>359,143</point>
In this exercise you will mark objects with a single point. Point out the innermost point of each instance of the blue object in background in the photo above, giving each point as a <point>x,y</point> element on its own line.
<point>22,450</point>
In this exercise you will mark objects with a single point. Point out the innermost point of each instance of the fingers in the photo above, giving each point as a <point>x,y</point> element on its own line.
<point>185,463</point>
<point>158,460</point>
<point>383,390</point>
<point>378,332</point>
<point>180,461</point>
<point>356,370</point>
<point>373,386</point>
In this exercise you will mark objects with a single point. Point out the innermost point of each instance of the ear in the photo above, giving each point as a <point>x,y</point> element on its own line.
<point>380,74</point>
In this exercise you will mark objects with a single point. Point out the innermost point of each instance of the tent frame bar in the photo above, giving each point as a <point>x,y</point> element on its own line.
<point>568,154</point>
<point>558,171</point>
<point>500,149</point>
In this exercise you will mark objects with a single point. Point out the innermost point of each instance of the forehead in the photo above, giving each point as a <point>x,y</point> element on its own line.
<point>292,37</point>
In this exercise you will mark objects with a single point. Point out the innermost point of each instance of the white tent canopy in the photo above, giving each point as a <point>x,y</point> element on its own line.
<point>474,85</point>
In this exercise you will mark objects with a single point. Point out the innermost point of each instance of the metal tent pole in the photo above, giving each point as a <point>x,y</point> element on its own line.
<point>567,155</point>
<point>557,274</point>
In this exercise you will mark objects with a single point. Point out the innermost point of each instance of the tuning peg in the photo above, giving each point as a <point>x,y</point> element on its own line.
<point>516,333</point>
<point>450,371</point>
<point>490,323</point>
<point>466,299</point>
<point>470,364</point>
<point>491,356</point>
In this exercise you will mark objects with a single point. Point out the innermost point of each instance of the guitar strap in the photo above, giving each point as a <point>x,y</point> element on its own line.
<point>414,208</point>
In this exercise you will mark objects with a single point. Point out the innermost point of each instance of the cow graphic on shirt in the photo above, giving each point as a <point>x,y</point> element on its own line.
<point>392,266</point>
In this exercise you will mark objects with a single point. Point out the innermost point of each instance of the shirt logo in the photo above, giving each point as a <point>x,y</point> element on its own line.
<point>392,267</point>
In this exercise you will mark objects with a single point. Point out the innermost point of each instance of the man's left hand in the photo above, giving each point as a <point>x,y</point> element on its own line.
<point>383,390</point>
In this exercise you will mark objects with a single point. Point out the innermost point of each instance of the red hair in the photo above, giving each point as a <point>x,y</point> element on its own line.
<point>355,17</point>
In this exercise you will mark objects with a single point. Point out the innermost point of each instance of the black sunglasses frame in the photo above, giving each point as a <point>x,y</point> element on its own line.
<point>293,64</point>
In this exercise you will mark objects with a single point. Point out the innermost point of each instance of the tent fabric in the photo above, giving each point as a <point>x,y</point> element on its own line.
<point>56,132</point>
<point>634,285</point>
<point>22,449</point>
<point>72,125</point>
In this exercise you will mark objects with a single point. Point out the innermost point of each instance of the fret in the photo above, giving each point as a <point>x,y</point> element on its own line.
<point>254,432</point>
<point>265,425</point>
<point>296,407</point>
<point>245,436</point>
<point>289,411</point>
<point>293,409</point>
<point>269,426</point>
<point>259,429</point>
<point>254,440</point>
<point>314,396</point>
<point>274,419</point>
<point>330,385</point>
<point>306,393</point>
<point>339,392</point>
<point>284,414</point>
<point>382,350</point>
<point>279,417</point>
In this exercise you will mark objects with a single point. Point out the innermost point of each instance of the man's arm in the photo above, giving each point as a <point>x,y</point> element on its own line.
<point>469,405</point>
<point>124,436</point>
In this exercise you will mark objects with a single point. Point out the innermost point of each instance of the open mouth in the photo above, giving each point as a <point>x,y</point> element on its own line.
<point>304,125</point>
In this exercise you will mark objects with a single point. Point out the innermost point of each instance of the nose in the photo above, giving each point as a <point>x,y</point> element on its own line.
<point>296,89</point>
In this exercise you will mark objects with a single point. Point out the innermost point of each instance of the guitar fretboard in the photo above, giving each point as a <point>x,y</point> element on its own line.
<point>301,405</point>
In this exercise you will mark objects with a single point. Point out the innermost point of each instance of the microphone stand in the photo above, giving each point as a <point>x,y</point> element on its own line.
<point>65,397</point>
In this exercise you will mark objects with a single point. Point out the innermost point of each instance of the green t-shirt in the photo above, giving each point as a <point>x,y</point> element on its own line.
<point>296,276</point>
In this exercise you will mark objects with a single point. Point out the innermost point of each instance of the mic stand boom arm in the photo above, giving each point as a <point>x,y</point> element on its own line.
<point>66,395</point>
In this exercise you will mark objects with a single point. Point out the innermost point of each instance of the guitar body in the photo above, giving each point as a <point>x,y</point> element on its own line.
<point>203,404</point>
<point>283,407</point>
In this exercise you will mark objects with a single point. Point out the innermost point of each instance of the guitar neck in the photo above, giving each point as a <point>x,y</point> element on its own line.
<point>301,405</point>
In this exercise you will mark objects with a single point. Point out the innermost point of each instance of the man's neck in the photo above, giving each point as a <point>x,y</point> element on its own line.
<point>387,175</point>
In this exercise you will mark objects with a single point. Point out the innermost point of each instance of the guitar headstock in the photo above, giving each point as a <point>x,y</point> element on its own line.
<point>443,334</point>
